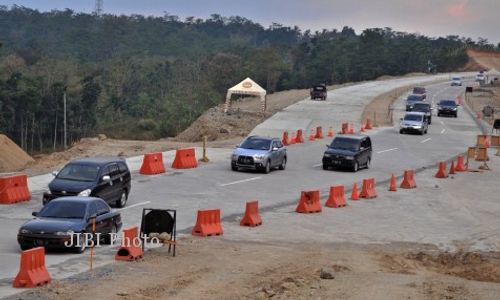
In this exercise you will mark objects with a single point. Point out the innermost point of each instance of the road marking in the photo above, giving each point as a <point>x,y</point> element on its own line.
<point>442,131</point>
<point>134,205</point>
<point>392,149</point>
<point>442,123</point>
<point>317,165</point>
<point>426,140</point>
<point>241,181</point>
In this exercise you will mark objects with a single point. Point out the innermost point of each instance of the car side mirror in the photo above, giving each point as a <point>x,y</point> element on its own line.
<point>106,178</point>
<point>275,149</point>
<point>34,214</point>
<point>401,119</point>
<point>54,173</point>
<point>237,146</point>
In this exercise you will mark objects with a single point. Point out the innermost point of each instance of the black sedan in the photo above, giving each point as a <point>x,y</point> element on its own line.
<point>63,222</point>
<point>447,107</point>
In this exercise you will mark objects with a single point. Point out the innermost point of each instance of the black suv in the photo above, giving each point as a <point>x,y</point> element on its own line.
<point>107,178</point>
<point>425,108</point>
<point>318,91</point>
<point>351,151</point>
<point>447,107</point>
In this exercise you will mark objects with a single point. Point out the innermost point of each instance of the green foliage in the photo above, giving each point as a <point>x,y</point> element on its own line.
<point>150,77</point>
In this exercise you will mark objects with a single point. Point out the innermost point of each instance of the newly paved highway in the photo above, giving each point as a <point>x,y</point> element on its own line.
<point>214,185</point>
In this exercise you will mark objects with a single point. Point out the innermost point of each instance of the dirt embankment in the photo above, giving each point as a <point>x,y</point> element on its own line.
<point>12,157</point>
<point>480,60</point>
<point>216,268</point>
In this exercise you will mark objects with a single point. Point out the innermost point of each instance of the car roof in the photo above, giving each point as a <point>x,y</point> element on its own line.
<point>77,199</point>
<point>422,103</point>
<point>353,137</point>
<point>262,137</point>
<point>415,95</point>
<point>100,160</point>
<point>451,100</point>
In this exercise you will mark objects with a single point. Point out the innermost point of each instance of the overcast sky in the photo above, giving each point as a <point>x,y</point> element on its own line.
<point>469,18</point>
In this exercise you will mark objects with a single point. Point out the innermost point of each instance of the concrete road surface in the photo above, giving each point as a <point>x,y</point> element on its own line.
<point>214,185</point>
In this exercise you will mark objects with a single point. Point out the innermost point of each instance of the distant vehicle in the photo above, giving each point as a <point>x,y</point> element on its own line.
<point>420,91</point>
<point>456,81</point>
<point>480,78</point>
<point>348,151</point>
<point>412,99</point>
<point>259,153</point>
<point>413,122</point>
<point>447,107</point>
<point>318,91</point>
<point>66,218</point>
<point>107,178</point>
<point>425,108</point>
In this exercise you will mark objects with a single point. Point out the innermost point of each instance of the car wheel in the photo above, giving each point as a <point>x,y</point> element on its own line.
<point>401,131</point>
<point>267,168</point>
<point>368,163</point>
<point>456,116</point>
<point>422,132</point>
<point>355,167</point>
<point>439,115</point>
<point>234,168</point>
<point>283,164</point>
<point>82,247</point>
<point>123,199</point>
<point>107,238</point>
<point>325,167</point>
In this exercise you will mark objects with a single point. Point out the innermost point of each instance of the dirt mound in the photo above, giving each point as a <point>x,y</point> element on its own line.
<point>468,265</point>
<point>12,157</point>
<point>479,60</point>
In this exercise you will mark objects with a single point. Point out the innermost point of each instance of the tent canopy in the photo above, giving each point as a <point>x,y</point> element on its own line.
<point>246,87</point>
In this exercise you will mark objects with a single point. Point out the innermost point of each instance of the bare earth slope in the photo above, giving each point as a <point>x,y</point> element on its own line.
<point>12,157</point>
<point>482,60</point>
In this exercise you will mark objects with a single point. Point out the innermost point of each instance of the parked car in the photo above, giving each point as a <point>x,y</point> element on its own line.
<point>412,99</point>
<point>413,122</point>
<point>259,153</point>
<point>480,78</point>
<point>447,107</point>
<point>107,178</point>
<point>418,90</point>
<point>425,108</point>
<point>61,221</point>
<point>318,91</point>
<point>456,81</point>
<point>348,151</point>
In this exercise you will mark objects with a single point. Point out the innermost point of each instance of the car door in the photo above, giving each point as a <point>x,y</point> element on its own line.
<point>282,152</point>
<point>104,222</point>
<point>275,159</point>
<point>363,152</point>
<point>104,188</point>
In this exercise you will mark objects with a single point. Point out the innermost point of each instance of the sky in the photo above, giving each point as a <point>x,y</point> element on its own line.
<point>468,18</point>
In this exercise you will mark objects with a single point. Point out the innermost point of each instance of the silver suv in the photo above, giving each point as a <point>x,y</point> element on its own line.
<point>414,122</point>
<point>259,153</point>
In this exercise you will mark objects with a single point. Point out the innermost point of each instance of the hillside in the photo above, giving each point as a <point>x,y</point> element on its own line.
<point>484,59</point>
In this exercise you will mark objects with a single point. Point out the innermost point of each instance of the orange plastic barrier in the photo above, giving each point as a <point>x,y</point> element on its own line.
<point>185,159</point>
<point>285,140</point>
<point>337,197</point>
<point>441,173</point>
<point>300,137</point>
<point>309,203</point>
<point>319,132</point>
<point>495,140</point>
<point>368,124</point>
<point>312,136</point>
<point>392,185</point>
<point>482,140</point>
<point>131,248</point>
<point>482,154</point>
<point>460,167</point>
<point>251,217</point>
<point>459,100</point>
<point>152,164</point>
<point>354,192</point>
<point>293,140</point>
<point>330,132</point>
<point>32,272</point>
<point>362,129</point>
<point>208,223</point>
<point>368,189</point>
<point>452,168</point>
<point>408,180</point>
<point>14,189</point>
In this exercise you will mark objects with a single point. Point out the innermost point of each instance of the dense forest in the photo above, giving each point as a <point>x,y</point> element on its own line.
<point>149,77</point>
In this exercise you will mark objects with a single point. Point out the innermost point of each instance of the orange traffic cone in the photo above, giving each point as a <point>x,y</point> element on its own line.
<point>392,186</point>
<point>293,140</point>
<point>330,132</point>
<point>362,128</point>
<point>460,167</point>
<point>312,136</point>
<point>354,193</point>
<point>452,168</point>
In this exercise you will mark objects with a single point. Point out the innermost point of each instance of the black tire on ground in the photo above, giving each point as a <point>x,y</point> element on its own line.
<point>234,168</point>
<point>283,164</point>
<point>123,199</point>
<point>267,167</point>
<point>355,167</point>
<point>401,131</point>
<point>325,167</point>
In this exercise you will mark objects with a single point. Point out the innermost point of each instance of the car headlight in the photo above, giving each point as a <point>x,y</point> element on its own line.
<point>69,232</point>
<point>234,156</point>
<point>259,157</point>
<point>454,108</point>
<point>349,157</point>
<point>24,231</point>
<point>327,155</point>
<point>85,193</point>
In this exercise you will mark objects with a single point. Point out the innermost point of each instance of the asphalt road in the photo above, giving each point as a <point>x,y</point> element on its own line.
<point>214,185</point>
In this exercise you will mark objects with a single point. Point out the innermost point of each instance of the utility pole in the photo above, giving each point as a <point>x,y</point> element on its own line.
<point>98,7</point>
<point>65,132</point>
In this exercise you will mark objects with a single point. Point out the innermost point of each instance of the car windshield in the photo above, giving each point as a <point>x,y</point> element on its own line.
<point>447,103</point>
<point>256,144</point>
<point>319,88</point>
<point>345,144</point>
<point>63,209</point>
<point>414,98</point>
<point>456,78</point>
<point>79,172</point>
<point>413,117</point>
<point>418,90</point>
<point>421,107</point>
